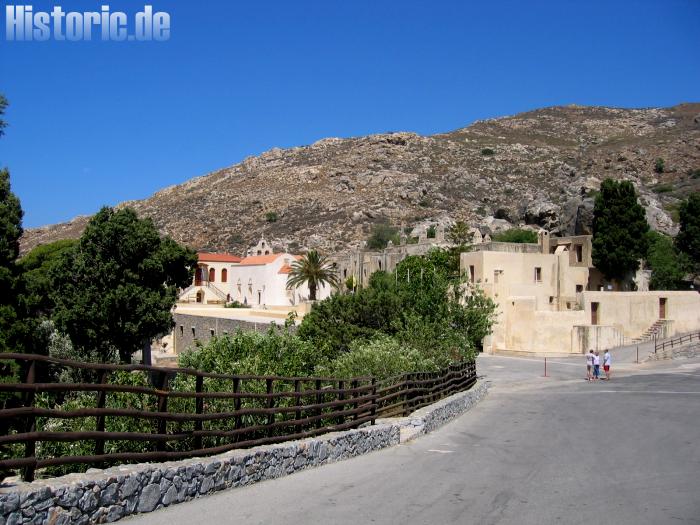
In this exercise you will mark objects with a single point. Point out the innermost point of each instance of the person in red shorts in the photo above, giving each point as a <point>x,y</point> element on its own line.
<point>607,361</point>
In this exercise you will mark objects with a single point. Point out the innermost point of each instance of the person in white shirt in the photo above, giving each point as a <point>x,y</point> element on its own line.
<point>596,365</point>
<point>589,365</point>
<point>607,361</point>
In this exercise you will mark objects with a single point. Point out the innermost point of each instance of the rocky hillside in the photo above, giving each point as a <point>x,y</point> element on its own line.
<point>538,168</point>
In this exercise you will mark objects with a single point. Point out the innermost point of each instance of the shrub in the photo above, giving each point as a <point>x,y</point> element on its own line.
<point>663,188</point>
<point>431,232</point>
<point>380,236</point>
<point>659,165</point>
<point>236,304</point>
<point>487,152</point>
<point>380,357</point>
<point>515,235</point>
<point>271,216</point>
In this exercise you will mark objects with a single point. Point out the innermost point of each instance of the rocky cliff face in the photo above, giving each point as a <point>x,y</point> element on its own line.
<point>540,168</point>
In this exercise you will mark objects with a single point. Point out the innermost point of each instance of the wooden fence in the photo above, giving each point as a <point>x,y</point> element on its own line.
<point>144,413</point>
<point>677,341</point>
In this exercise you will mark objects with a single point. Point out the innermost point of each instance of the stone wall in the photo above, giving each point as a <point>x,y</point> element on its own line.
<point>104,496</point>
<point>191,328</point>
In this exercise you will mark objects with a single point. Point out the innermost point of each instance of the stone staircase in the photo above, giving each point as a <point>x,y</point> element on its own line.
<point>656,328</point>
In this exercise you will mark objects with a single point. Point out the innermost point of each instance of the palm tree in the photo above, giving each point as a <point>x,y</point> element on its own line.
<point>313,269</point>
<point>460,234</point>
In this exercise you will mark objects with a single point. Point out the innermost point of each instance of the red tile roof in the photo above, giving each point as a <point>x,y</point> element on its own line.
<point>218,257</point>
<point>254,260</point>
<point>285,269</point>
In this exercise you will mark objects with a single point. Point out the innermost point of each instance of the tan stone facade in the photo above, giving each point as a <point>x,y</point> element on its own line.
<point>548,304</point>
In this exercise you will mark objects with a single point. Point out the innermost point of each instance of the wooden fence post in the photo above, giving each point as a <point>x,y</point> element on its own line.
<point>238,421</point>
<point>319,400</point>
<point>270,404</point>
<point>355,384</point>
<point>100,421</point>
<point>162,386</point>
<point>30,425</point>
<point>198,409</point>
<point>297,403</point>
<point>373,410</point>
<point>341,397</point>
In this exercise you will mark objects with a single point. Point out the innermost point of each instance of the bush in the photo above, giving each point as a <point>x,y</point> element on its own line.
<point>380,357</point>
<point>487,152</point>
<point>271,216</point>
<point>236,304</point>
<point>663,188</point>
<point>381,234</point>
<point>659,165</point>
<point>515,235</point>
<point>431,233</point>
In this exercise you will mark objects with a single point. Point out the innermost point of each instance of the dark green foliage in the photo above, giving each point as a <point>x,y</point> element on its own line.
<point>487,152</point>
<point>515,235</point>
<point>381,234</point>
<point>236,304</point>
<point>619,230</point>
<point>694,174</point>
<point>271,216</point>
<point>688,238</point>
<point>431,233</point>
<point>663,188</point>
<point>36,268</point>
<point>420,305</point>
<point>659,165</point>
<point>314,270</point>
<point>114,291</point>
<point>10,284</point>
<point>667,265</point>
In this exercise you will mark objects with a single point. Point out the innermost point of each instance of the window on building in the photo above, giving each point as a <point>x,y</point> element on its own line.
<point>579,253</point>
<point>182,330</point>
<point>194,333</point>
<point>579,288</point>
<point>224,275</point>
<point>211,332</point>
<point>538,274</point>
<point>551,299</point>
<point>471,273</point>
<point>594,313</point>
<point>212,275</point>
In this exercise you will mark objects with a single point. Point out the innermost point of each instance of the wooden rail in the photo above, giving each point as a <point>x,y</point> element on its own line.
<point>677,341</point>
<point>174,413</point>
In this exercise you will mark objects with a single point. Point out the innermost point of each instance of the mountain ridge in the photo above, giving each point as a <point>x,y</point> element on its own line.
<point>539,168</point>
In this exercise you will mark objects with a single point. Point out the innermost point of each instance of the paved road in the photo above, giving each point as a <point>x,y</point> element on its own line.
<point>535,451</point>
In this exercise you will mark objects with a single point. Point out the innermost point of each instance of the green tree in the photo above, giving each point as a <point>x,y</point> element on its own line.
<point>688,238</point>
<point>10,233</point>
<point>114,291</point>
<point>667,266</point>
<point>314,270</point>
<point>460,234</point>
<point>380,236</point>
<point>619,230</point>
<point>36,268</point>
<point>659,165</point>
<point>515,235</point>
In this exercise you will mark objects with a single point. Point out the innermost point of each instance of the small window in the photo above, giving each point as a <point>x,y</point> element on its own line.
<point>212,275</point>
<point>211,332</point>
<point>224,275</point>
<point>551,299</point>
<point>538,274</point>
<point>579,288</point>
<point>471,273</point>
<point>579,253</point>
<point>193,332</point>
<point>182,330</point>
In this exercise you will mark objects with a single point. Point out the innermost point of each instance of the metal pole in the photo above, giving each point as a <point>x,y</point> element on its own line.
<point>637,354</point>
<point>545,367</point>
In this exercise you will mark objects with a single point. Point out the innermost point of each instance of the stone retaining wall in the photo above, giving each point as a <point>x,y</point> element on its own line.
<point>104,496</point>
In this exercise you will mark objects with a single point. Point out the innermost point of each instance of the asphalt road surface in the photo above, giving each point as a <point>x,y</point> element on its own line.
<point>536,451</point>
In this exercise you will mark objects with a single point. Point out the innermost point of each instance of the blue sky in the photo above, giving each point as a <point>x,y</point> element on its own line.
<point>94,123</point>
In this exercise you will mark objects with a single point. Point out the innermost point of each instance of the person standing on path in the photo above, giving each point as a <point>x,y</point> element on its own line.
<point>596,365</point>
<point>607,361</point>
<point>589,365</point>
